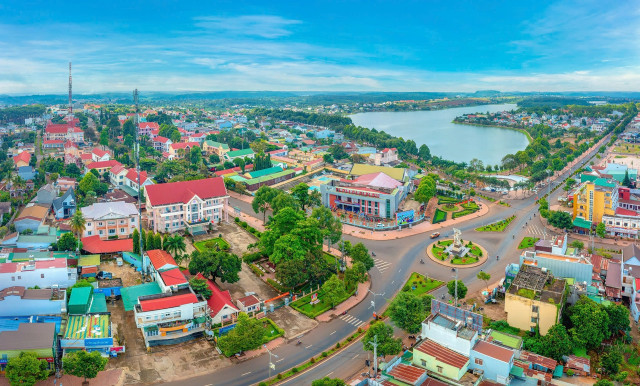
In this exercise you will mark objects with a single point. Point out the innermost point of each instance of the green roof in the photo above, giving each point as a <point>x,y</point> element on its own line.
<point>130,295</point>
<point>268,177</point>
<point>264,172</point>
<point>87,326</point>
<point>36,239</point>
<point>237,178</point>
<point>604,183</point>
<point>517,371</point>
<point>581,223</point>
<point>216,144</point>
<point>89,261</point>
<point>98,304</point>
<point>129,190</point>
<point>508,340</point>
<point>588,177</point>
<point>557,373</point>
<point>79,300</point>
<point>199,320</point>
<point>239,153</point>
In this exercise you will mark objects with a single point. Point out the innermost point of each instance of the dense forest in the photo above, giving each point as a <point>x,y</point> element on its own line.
<point>19,113</point>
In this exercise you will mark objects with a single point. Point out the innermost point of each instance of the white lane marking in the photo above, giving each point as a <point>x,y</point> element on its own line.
<point>393,281</point>
<point>309,346</point>
<point>246,374</point>
<point>355,356</point>
<point>281,359</point>
<point>332,333</point>
<point>329,374</point>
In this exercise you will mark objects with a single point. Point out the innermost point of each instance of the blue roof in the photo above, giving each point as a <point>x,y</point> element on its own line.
<point>11,323</point>
<point>633,261</point>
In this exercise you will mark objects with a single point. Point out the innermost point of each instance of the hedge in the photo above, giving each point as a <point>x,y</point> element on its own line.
<point>277,286</point>
<point>439,216</point>
<point>251,257</point>
<point>256,270</point>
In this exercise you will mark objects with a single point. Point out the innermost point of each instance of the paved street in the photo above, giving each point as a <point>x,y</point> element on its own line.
<point>395,260</point>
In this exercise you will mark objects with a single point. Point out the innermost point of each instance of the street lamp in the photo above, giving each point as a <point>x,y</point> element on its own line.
<point>373,302</point>
<point>272,365</point>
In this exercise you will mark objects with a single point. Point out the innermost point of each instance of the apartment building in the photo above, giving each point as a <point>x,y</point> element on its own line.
<point>110,219</point>
<point>190,205</point>
<point>592,200</point>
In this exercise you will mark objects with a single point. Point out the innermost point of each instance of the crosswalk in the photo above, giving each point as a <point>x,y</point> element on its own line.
<point>351,320</point>
<point>381,265</point>
<point>536,230</point>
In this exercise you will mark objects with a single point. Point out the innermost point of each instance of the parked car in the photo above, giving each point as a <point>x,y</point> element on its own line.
<point>119,261</point>
<point>379,225</point>
<point>105,275</point>
<point>435,235</point>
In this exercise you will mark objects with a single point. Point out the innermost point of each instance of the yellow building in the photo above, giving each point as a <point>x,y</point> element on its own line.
<point>441,360</point>
<point>592,200</point>
<point>213,147</point>
<point>535,299</point>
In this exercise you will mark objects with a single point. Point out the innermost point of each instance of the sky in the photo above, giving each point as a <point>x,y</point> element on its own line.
<point>352,45</point>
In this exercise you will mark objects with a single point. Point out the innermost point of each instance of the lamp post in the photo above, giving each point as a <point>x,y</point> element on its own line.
<point>373,302</point>
<point>272,365</point>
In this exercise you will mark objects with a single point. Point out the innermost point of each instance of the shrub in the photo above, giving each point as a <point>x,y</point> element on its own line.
<point>262,384</point>
<point>324,354</point>
<point>279,376</point>
<point>237,219</point>
<point>570,372</point>
<point>294,370</point>
<point>243,224</point>
<point>251,257</point>
<point>256,270</point>
<point>91,279</point>
<point>406,288</point>
<point>312,360</point>
<point>338,345</point>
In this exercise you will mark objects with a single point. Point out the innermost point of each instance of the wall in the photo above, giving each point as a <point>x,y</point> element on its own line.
<point>519,313</point>
<point>16,306</point>
<point>62,276</point>
<point>432,364</point>
<point>494,369</point>
<point>27,223</point>
<point>447,338</point>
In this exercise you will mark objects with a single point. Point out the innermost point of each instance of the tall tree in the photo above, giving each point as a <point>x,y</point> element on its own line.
<point>387,344</point>
<point>330,225</point>
<point>262,200</point>
<point>360,253</point>
<point>300,193</point>
<point>333,290</point>
<point>26,369</point>
<point>618,319</point>
<point>590,323</point>
<point>246,335</point>
<point>83,364</point>
<point>484,276</point>
<point>174,245</point>
<point>407,311</point>
<point>556,343</point>
<point>461,289</point>
<point>136,241</point>
<point>426,190</point>
<point>77,224</point>
<point>216,264</point>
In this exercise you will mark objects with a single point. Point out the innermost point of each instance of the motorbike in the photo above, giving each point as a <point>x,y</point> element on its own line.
<point>373,253</point>
<point>421,261</point>
<point>497,257</point>
<point>298,343</point>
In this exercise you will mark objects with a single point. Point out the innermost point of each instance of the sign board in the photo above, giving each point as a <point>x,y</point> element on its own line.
<point>314,298</point>
<point>98,342</point>
<point>358,192</point>
<point>407,217</point>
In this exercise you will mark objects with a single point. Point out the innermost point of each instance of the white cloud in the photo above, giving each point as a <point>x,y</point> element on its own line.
<point>266,26</point>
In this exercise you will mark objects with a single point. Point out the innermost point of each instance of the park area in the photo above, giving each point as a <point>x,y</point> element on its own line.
<point>217,243</point>
<point>528,242</point>
<point>322,304</point>
<point>627,148</point>
<point>498,226</point>
<point>439,251</point>
<point>454,206</point>
<point>419,285</point>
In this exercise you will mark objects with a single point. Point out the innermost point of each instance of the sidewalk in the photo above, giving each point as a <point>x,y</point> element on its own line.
<point>107,377</point>
<point>363,290</point>
<point>423,227</point>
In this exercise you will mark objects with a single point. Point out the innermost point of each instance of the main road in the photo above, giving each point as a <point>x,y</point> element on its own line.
<point>395,260</point>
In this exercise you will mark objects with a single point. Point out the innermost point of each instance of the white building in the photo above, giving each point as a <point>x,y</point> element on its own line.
<point>41,273</point>
<point>110,219</point>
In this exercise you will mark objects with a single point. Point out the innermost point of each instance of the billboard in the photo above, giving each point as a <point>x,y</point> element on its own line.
<point>403,218</point>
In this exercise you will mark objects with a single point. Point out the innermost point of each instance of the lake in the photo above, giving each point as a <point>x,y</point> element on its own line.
<point>446,139</point>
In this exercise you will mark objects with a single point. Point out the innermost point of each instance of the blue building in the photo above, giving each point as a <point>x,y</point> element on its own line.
<point>65,206</point>
<point>493,360</point>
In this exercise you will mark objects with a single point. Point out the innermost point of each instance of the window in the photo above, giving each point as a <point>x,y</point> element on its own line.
<point>534,308</point>
<point>423,362</point>
<point>89,233</point>
<point>479,361</point>
<point>112,231</point>
<point>439,369</point>
<point>534,320</point>
<point>42,276</point>
<point>88,224</point>
<point>122,230</point>
<point>101,231</point>
<point>13,278</point>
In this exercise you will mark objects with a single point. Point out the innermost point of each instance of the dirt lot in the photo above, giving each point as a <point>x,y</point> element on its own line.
<point>162,364</point>
<point>129,275</point>
<point>292,322</point>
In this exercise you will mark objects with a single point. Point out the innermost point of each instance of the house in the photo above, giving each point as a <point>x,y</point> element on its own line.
<point>170,318</point>
<point>386,156</point>
<point>5,208</point>
<point>118,195</point>
<point>534,299</point>
<point>27,173</point>
<point>245,153</point>
<point>116,175</point>
<point>197,137</point>
<point>110,220</point>
<point>145,128</point>
<point>581,366</point>
<point>38,338</point>
<point>213,147</point>
<point>90,331</point>
<point>188,205</point>
<point>20,301</point>
<point>406,374</point>
<point>221,307</point>
<point>161,266</point>
<point>178,150</point>
<point>42,273</point>
<point>576,267</point>
<point>46,194</point>
<point>65,206</point>
<point>31,217</point>
<point>493,360</point>
<point>98,155</point>
<point>22,159</point>
<point>102,166</point>
<point>249,304</point>
<point>131,181</point>
<point>440,359</point>
<point>41,239</point>
<point>94,244</point>
<point>131,294</point>
<point>162,144</point>
<point>63,131</point>
<point>65,183</point>
<point>53,144</point>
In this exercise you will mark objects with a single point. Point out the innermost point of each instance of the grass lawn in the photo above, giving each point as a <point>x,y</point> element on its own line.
<point>419,285</point>
<point>468,208</point>
<point>204,245</point>
<point>528,242</point>
<point>498,226</point>
<point>271,330</point>
<point>464,260</point>
<point>312,310</point>
<point>445,199</point>
<point>439,247</point>
<point>629,148</point>
<point>580,352</point>
<point>439,216</point>
<point>475,250</point>
<point>449,207</point>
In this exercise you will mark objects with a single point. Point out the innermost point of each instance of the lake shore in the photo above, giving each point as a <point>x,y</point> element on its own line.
<point>523,131</point>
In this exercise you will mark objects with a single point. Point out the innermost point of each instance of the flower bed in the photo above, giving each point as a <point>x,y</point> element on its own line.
<point>498,226</point>
<point>419,285</point>
<point>439,216</point>
<point>528,242</point>
<point>304,305</point>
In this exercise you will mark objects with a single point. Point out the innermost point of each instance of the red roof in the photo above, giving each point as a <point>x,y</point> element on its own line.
<point>167,302</point>
<point>99,152</point>
<point>538,360</point>
<point>149,125</point>
<point>407,373</point>
<point>85,156</point>
<point>103,164</point>
<point>93,244</point>
<point>218,299</point>
<point>60,128</point>
<point>160,258</point>
<point>24,156</point>
<point>161,139</point>
<point>117,169</point>
<point>253,299</point>
<point>55,263</point>
<point>87,270</point>
<point>494,351</point>
<point>626,212</point>
<point>184,145</point>
<point>133,176</point>
<point>69,144</point>
<point>173,277</point>
<point>52,141</point>
<point>183,191</point>
<point>443,354</point>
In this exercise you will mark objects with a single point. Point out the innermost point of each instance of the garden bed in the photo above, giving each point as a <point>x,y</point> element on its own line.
<point>528,242</point>
<point>498,226</point>
<point>209,244</point>
<point>449,207</point>
<point>439,216</point>
<point>419,285</point>
<point>468,208</point>
<point>439,247</point>
<point>304,305</point>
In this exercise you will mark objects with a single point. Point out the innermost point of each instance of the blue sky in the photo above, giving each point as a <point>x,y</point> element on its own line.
<point>319,45</point>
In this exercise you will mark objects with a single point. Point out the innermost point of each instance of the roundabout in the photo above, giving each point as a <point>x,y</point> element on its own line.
<point>457,253</point>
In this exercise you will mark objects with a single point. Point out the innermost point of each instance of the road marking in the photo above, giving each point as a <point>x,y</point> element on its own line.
<point>246,374</point>
<point>332,333</point>
<point>351,320</point>
<point>281,359</point>
<point>329,374</point>
<point>309,346</point>
<point>355,356</point>
<point>393,281</point>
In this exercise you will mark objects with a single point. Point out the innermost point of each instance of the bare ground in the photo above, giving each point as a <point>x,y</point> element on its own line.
<point>129,275</point>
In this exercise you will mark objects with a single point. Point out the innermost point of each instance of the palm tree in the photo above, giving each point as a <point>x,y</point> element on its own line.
<point>77,225</point>
<point>174,244</point>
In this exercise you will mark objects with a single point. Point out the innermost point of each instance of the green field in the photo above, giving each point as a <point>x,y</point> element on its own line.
<point>304,305</point>
<point>528,242</point>
<point>204,245</point>
<point>468,208</point>
<point>439,216</point>
<point>419,285</point>
<point>498,226</point>
<point>627,148</point>
<point>439,247</point>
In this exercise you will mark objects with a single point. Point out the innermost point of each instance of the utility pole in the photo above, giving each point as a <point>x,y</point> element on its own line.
<point>272,365</point>
<point>375,356</point>
<point>456,284</point>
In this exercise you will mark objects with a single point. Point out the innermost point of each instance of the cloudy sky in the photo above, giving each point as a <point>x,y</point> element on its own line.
<point>427,45</point>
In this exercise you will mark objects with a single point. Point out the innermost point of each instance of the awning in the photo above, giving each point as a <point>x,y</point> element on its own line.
<point>517,371</point>
<point>581,223</point>
<point>199,320</point>
<point>557,373</point>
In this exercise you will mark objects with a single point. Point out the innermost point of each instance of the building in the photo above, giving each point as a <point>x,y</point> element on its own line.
<point>493,360</point>
<point>20,301</point>
<point>145,128</point>
<point>38,338</point>
<point>31,217</point>
<point>53,144</point>
<point>102,166</point>
<point>65,205</point>
<point>91,331</point>
<point>64,132</point>
<point>22,159</point>
<point>171,318</point>
<point>221,307</point>
<point>46,194</point>
<point>44,273</point>
<point>66,183</point>
<point>592,200</point>
<point>575,267</point>
<point>213,147</point>
<point>162,144</point>
<point>40,240</point>
<point>249,304</point>
<point>374,195</point>
<point>94,244</point>
<point>161,266</point>
<point>178,150</point>
<point>118,195</point>
<point>385,157</point>
<point>98,155</point>
<point>245,153</point>
<point>534,299</point>
<point>440,360</point>
<point>191,205</point>
<point>399,174</point>
<point>110,219</point>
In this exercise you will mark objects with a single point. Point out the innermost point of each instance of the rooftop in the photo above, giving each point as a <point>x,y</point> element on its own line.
<point>538,284</point>
<point>87,326</point>
<point>165,302</point>
<point>130,295</point>
<point>30,336</point>
<point>494,351</point>
<point>184,191</point>
<point>93,244</point>
<point>442,354</point>
<point>407,373</point>
<point>508,340</point>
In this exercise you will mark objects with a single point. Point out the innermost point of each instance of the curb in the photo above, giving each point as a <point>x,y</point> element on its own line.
<point>485,257</point>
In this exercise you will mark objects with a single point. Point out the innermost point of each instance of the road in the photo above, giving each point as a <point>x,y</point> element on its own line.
<point>396,259</point>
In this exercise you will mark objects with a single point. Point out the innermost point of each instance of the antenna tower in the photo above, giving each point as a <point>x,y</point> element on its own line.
<point>137,150</point>
<point>70,105</point>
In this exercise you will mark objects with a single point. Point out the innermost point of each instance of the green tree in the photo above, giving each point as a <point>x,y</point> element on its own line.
<point>611,360</point>
<point>462,289</point>
<point>626,181</point>
<point>560,219</point>
<point>201,287</point>
<point>330,225</point>
<point>89,183</point>
<point>556,343</point>
<point>601,230</point>
<point>590,323</point>
<point>78,284</point>
<point>195,156</point>
<point>136,241</point>
<point>485,277</point>
<point>407,311</point>
<point>334,290</point>
<point>300,193</point>
<point>150,243</point>
<point>327,158</point>
<point>77,224</point>
<point>26,369</point>
<point>577,244</point>
<point>618,319</point>
<point>326,381</point>
<point>357,273</point>
<point>175,245</point>
<point>292,273</point>
<point>387,344</point>
<point>216,264</point>
<point>83,364</point>
<point>157,241</point>
<point>104,138</point>
<point>262,200</point>
<point>603,382</point>
<point>424,153</point>
<point>426,190</point>
<point>360,253</point>
<point>283,200</point>
<point>67,242</point>
<point>247,335</point>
